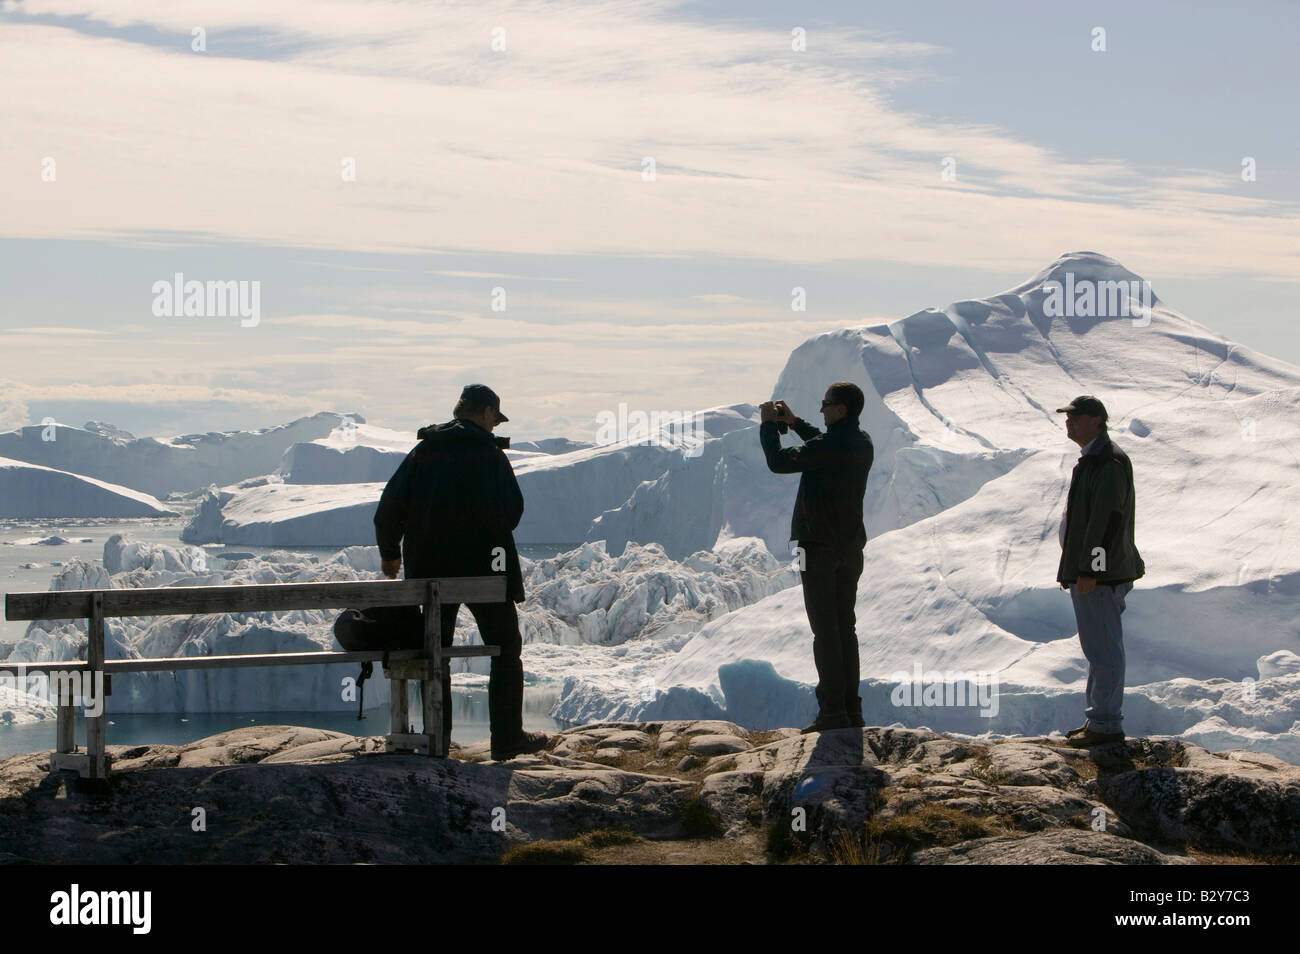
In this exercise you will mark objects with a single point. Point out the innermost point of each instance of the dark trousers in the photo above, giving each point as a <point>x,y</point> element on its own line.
<point>830,593</point>
<point>498,624</point>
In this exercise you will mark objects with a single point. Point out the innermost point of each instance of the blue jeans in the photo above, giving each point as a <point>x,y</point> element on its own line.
<point>1102,639</point>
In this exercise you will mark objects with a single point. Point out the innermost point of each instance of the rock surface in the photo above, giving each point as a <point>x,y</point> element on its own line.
<point>267,794</point>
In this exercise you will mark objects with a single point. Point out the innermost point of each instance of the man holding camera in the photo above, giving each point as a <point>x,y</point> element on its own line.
<point>827,525</point>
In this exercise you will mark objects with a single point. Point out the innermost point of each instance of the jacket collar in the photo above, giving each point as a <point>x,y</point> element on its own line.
<point>456,428</point>
<point>1100,445</point>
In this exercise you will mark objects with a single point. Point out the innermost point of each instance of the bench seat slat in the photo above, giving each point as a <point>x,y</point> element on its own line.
<point>256,659</point>
<point>251,598</point>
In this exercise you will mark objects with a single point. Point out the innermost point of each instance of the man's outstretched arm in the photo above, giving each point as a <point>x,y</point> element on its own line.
<point>805,430</point>
<point>787,460</point>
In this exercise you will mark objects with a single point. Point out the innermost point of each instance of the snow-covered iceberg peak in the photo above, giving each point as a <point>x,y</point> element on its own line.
<point>957,395</point>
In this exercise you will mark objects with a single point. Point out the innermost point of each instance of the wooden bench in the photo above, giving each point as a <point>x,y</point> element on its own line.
<point>426,665</point>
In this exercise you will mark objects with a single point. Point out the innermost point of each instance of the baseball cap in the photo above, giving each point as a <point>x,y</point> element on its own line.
<point>484,395</point>
<point>1084,404</point>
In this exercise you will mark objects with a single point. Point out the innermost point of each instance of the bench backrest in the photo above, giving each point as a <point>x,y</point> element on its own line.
<point>251,598</point>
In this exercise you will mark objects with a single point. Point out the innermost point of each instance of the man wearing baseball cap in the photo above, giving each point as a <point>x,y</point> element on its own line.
<point>451,510</point>
<point>482,397</point>
<point>1099,562</point>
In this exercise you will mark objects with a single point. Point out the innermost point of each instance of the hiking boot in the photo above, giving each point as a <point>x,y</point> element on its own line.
<point>826,722</point>
<point>1090,738</point>
<point>1075,733</point>
<point>526,743</point>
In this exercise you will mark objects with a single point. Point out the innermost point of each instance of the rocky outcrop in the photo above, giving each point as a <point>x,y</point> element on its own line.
<point>659,791</point>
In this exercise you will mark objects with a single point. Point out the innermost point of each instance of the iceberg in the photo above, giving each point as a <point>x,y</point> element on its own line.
<point>179,464</point>
<point>30,490</point>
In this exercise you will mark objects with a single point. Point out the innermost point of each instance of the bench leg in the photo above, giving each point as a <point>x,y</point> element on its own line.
<point>96,737</point>
<point>433,715</point>
<point>401,720</point>
<point>96,726</point>
<point>92,763</point>
<point>433,686</point>
<point>66,739</point>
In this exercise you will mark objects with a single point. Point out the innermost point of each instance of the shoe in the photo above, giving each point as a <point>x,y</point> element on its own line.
<point>825,723</point>
<point>1090,738</point>
<point>526,743</point>
<point>1074,733</point>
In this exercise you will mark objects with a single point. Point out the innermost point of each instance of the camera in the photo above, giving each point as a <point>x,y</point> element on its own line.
<point>781,426</point>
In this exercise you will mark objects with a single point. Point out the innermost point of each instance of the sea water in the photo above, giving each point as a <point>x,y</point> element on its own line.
<point>469,722</point>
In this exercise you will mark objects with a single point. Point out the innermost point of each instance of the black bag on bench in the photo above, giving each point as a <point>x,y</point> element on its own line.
<point>378,628</point>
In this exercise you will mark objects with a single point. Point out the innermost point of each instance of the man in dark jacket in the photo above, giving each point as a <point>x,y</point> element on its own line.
<point>1099,562</point>
<point>453,505</point>
<point>827,524</point>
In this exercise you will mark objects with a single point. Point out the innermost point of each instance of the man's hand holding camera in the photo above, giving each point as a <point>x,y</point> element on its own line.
<point>777,411</point>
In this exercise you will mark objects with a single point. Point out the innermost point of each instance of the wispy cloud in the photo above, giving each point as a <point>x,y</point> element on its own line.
<point>760,153</point>
<point>347,268</point>
<point>501,276</point>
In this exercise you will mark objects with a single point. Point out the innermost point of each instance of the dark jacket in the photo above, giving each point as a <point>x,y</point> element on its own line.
<point>1099,514</point>
<point>833,471</point>
<point>450,503</point>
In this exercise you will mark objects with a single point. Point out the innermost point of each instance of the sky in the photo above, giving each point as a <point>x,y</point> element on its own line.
<point>592,204</point>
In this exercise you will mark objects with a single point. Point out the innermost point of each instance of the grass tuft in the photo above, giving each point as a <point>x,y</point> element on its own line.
<point>895,840</point>
<point>698,820</point>
<point>569,851</point>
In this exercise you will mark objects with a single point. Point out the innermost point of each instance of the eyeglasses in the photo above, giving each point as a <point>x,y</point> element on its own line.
<point>831,403</point>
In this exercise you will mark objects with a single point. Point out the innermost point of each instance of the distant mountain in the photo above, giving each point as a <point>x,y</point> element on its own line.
<point>180,464</point>
<point>30,490</point>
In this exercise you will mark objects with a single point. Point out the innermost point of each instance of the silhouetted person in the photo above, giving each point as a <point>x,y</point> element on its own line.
<point>1099,562</point>
<point>453,505</point>
<point>827,524</point>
